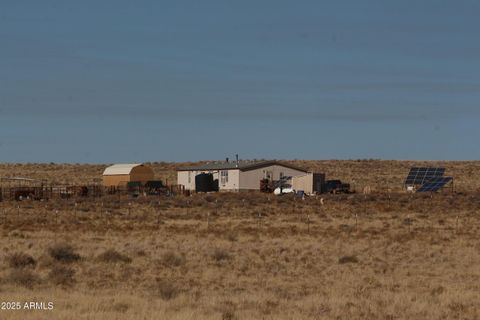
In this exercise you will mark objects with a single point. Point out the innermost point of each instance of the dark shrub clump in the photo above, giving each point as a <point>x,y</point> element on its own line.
<point>20,260</point>
<point>113,256</point>
<point>172,259</point>
<point>166,289</point>
<point>62,276</point>
<point>221,255</point>
<point>24,277</point>
<point>348,259</point>
<point>63,253</point>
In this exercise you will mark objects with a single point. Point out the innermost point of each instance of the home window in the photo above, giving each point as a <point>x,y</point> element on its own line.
<point>268,175</point>
<point>224,176</point>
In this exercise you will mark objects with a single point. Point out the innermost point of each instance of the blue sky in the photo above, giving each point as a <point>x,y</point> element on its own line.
<point>125,81</point>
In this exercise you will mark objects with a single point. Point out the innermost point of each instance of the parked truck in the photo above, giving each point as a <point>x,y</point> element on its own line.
<point>336,186</point>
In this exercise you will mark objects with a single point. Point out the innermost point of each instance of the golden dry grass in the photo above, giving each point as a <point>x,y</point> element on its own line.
<point>246,255</point>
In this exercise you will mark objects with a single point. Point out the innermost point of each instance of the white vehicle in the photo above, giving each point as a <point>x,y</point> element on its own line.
<point>278,191</point>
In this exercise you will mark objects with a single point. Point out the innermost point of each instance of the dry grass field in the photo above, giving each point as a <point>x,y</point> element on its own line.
<point>246,255</point>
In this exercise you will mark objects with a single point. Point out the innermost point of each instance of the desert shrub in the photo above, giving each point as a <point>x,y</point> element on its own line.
<point>63,253</point>
<point>228,311</point>
<point>229,315</point>
<point>402,237</point>
<point>196,202</point>
<point>437,291</point>
<point>121,307</point>
<point>62,276</point>
<point>282,200</point>
<point>458,307</point>
<point>348,259</point>
<point>24,277</point>
<point>210,198</point>
<point>221,255</point>
<point>20,260</point>
<point>16,234</point>
<point>113,256</point>
<point>232,236</point>
<point>172,259</point>
<point>166,289</point>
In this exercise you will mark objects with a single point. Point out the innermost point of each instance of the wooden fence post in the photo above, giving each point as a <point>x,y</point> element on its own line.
<point>75,211</point>
<point>308,223</point>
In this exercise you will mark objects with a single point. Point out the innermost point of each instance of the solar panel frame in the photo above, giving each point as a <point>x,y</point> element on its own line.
<point>421,175</point>
<point>435,184</point>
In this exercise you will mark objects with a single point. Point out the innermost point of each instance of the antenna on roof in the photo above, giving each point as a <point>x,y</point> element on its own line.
<point>236,156</point>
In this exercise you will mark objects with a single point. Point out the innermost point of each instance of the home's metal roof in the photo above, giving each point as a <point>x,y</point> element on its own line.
<point>119,169</point>
<point>242,165</point>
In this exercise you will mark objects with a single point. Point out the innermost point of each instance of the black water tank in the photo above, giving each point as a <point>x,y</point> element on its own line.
<point>204,182</point>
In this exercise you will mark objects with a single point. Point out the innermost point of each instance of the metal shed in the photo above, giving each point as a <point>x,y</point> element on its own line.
<point>121,174</point>
<point>309,183</point>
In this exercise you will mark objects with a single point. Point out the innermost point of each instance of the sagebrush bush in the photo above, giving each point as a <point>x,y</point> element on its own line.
<point>210,198</point>
<point>221,255</point>
<point>121,307</point>
<point>229,315</point>
<point>348,259</point>
<point>63,253</point>
<point>62,276</point>
<point>113,256</point>
<point>166,289</point>
<point>20,260</point>
<point>24,277</point>
<point>232,236</point>
<point>228,311</point>
<point>173,259</point>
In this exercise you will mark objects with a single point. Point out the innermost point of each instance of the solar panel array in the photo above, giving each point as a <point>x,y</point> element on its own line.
<point>419,176</point>
<point>430,179</point>
<point>435,184</point>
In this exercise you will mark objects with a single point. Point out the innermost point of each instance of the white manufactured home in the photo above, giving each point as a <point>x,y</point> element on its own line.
<point>238,175</point>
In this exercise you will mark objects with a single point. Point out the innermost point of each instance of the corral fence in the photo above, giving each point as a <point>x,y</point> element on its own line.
<point>44,192</point>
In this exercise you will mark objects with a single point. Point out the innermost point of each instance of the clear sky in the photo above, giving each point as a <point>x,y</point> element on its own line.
<point>127,81</point>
